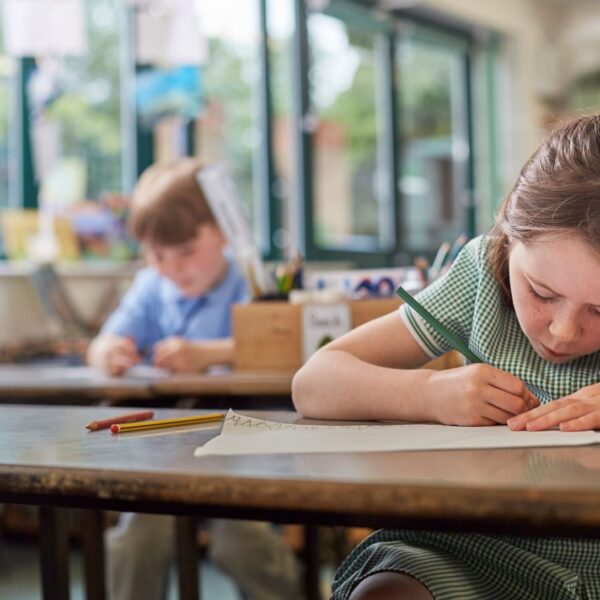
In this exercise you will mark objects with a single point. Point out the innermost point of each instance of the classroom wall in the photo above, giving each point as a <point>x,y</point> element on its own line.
<point>21,314</point>
<point>579,36</point>
<point>92,293</point>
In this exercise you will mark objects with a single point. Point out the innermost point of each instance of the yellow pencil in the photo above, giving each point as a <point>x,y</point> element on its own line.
<point>160,423</point>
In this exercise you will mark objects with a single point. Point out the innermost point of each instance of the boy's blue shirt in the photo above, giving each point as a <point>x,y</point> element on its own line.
<point>154,308</point>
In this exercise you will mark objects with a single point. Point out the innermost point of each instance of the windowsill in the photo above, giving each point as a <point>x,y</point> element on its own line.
<point>96,268</point>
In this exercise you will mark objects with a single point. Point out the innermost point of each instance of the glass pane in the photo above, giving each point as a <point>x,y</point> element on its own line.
<point>82,109</point>
<point>7,153</point>
<point>434,145</point>
<point>346,162</point>
<point>226,129</point>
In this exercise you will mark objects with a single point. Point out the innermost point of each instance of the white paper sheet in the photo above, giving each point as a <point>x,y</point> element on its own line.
<point>246,435</point>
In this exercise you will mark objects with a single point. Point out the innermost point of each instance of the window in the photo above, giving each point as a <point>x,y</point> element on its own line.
<point>434,141</point>
<point>7,150</point>
<point>227,126</point>
<point>85,106</point>
<point>363,153</point>
<point>390,170</point>
<point>351,203</point>
<point>6,134</point>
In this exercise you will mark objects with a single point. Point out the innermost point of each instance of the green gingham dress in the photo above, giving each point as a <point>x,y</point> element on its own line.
<point>467,566</point>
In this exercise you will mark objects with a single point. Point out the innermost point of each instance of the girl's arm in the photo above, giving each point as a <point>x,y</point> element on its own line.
<point>362,374</point>
<point>372,373</point>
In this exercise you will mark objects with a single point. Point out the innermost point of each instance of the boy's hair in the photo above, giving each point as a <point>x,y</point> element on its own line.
<point>557,191</point>
<point>168,205</point>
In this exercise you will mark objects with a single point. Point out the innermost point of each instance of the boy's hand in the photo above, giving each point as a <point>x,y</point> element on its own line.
<point>578,412</point>
<point>178,355</point>
<point>477,394</point>
<point>113,354</point>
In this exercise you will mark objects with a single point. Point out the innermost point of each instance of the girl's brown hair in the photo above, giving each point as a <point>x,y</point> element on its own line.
<point>557,191</point>
<point>167,204</point>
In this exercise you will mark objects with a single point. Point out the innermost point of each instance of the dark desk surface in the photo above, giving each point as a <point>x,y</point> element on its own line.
<point>59,384</point>
<point>226,383</point>
<point>47,457</point>
<point>50,382</point>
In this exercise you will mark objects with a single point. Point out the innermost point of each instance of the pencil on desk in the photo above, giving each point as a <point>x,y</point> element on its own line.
<point>161,423</point>
<point>452,339</point>
<point>128,418</point>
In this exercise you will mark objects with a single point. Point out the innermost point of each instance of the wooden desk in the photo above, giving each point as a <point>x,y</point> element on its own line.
<point>50,384</point>
<point>48,459</point>
<point>226,383</point>
<point>46,384</point>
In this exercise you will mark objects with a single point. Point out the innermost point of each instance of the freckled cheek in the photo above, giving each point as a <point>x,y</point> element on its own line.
<point>532,317</point>
<point>591,337</point>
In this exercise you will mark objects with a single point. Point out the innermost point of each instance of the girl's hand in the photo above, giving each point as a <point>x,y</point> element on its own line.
<point>477,394</point>
<point>578,412</point>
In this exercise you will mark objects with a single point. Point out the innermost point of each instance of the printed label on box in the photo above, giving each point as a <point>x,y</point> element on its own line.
<point>322,323</point>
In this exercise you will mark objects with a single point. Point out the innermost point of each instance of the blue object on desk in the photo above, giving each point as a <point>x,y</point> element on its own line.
<point>378,288</point>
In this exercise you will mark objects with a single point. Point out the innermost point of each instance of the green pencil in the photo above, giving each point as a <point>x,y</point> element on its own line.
<point>453,340</point>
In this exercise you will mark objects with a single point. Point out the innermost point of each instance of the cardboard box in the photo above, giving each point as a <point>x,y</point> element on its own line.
<point>268,335</point>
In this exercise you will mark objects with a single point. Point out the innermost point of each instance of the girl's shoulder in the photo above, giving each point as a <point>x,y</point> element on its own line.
<point>480,247</point>
<point>473,259</point>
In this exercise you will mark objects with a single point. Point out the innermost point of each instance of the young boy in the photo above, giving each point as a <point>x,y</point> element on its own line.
<point>177,314</point>
<point>177,311</point>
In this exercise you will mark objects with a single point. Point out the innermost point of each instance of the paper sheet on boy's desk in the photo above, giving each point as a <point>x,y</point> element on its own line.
<point>246,435</point>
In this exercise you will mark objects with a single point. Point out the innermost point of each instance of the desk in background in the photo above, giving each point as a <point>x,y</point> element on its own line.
<point>526,491</point>
<point>52,384</point>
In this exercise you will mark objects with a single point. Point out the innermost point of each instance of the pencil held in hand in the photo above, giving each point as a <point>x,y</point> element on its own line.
<point>452,339</point>
<point>128,418</point>
<point>161,423</point>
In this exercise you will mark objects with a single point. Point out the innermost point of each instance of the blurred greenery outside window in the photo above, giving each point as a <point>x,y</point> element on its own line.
<point>433,162</point>
<point>88,105</point>
<point>7,71</point>
<point>226,129</point>
<point>354,206</point>
<point>346,162</point>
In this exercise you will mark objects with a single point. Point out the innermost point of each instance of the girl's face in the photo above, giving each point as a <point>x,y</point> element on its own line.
<point>555,285</point>
<point>195,266</point>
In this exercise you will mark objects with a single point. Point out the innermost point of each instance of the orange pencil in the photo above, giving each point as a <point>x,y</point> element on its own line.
<point>128,418</point>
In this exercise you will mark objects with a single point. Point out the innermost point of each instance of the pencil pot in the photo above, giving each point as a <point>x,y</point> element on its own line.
<point>279,336</point>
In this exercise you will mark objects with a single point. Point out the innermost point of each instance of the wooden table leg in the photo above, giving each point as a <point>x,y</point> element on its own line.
<point>187,558</point>
<point>54,553</point>
<point>92,522</point>
<point>310,554</point>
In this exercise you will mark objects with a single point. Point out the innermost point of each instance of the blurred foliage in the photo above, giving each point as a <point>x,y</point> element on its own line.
<point>425,83</point>
<point>229,78</point>
<point>89,108</point>
<point>584,93</point>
